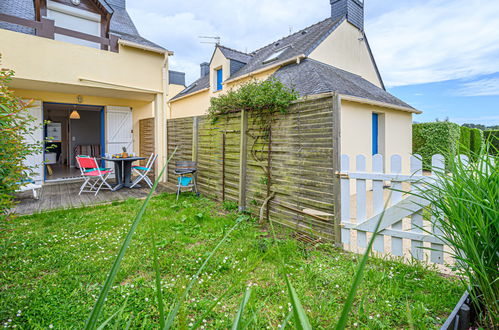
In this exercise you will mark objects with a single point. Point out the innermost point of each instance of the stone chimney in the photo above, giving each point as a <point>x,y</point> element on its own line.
<point>205,69</point>
<point>352,10</point>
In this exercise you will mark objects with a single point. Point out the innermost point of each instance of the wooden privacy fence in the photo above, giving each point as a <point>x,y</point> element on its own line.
<point>402,230</point>
<point>293,165</point>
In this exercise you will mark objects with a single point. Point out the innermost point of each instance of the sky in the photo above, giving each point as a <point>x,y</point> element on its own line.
<point>440,56</point>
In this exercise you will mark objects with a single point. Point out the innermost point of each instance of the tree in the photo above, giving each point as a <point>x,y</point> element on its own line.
<point>15,125</point>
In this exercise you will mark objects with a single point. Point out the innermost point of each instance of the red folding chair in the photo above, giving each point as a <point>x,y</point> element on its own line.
<point>93,175</point>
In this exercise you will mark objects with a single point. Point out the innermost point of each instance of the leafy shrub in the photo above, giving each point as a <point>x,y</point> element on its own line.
<point>15,124</point>
<point>266,97</point>
<point>433,138</point>
<point>466,211</point>
<point>464,140</point>
<point>476,142</point>
<point>491,138</point>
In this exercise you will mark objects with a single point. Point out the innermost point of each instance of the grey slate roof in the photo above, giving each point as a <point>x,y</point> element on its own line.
<point>313,77</point>
<point>20,8</point>
<point>121,23</point>
<point>201,83</point>
<point>301,42</point>
<point>235,55</point>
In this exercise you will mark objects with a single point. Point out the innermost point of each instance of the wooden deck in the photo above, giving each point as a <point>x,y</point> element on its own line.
<point>65,196</point>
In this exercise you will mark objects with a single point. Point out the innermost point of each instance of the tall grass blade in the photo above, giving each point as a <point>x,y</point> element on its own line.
<point>159,292</point>
<point>286,320</point>
<point>301,319</point>
<point>236,325</point>
<point>465,209</point>
<point>173,313</point>
<point>99,305</point>
<point>347,307</point>
<point>116,315</point>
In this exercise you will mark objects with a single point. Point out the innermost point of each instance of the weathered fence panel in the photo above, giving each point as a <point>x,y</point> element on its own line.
<point>298,150</point>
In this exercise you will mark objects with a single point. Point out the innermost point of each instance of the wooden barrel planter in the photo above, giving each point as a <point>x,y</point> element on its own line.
<point>463,315</point>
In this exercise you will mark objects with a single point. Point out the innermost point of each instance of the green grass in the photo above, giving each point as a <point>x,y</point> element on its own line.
<point>53,265</point>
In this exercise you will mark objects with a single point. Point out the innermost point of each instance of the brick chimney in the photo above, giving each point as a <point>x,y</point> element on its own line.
<point>353,10</point>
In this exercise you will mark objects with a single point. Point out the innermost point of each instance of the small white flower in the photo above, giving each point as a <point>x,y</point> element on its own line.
<point>337,286</point>
<point>355,324</point>
<point>377,315</point>
<point>147,299</point>
<point>370,317</point>
<point>51,326</point>
<point>191,324</point>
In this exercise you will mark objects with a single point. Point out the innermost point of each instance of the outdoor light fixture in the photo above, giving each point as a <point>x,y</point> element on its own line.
<point>74,114</point>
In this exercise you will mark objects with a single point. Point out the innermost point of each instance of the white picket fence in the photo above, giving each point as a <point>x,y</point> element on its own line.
<point>402,231</point>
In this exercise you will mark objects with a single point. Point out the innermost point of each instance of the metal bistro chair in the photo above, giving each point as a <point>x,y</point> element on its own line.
<point>142,171</point>
<point>186,171</point>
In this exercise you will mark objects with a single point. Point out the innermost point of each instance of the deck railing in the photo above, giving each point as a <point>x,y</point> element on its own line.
<point>46,28</point>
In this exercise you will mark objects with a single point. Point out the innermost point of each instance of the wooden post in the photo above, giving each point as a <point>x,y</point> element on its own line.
<point>336,130</point>
<point>223,166</point>
<point>243,148</point>
<point>48,28</point>
<point>269,174</point>
<point>195,138</point>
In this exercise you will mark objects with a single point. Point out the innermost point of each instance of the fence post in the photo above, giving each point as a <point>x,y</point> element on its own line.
<point>336,109</point>
<point>195,139</point>
<point>243,149</point>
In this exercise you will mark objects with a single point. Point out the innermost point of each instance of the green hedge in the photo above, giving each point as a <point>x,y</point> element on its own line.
<point>434,138</point>
<point>464,140</point>
<point>476,142</point>
<point>492,139</point>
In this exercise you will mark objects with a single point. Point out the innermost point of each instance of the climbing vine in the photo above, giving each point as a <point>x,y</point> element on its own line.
<point>262,99</point>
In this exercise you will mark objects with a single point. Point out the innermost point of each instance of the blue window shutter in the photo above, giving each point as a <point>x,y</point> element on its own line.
<point>375,134</point>
<point>219,79</point>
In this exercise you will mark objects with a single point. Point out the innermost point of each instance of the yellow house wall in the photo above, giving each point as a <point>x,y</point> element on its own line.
<point>344,50</point>
<point>356,133</point>
<point>43,59</point>
<point>140,109</point>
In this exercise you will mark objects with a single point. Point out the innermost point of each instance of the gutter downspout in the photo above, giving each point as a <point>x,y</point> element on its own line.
<point>164,126</point>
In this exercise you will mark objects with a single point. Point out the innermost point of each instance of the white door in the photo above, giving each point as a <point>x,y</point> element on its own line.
<point>35,162</point>
<point>119,129</point>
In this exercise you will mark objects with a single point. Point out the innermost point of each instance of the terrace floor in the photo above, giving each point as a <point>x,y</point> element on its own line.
<point>65,196</point>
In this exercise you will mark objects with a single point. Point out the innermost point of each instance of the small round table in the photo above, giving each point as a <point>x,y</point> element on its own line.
<point>123,171</point>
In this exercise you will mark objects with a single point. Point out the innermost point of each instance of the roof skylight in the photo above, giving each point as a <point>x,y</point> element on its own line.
<point>275,55</point>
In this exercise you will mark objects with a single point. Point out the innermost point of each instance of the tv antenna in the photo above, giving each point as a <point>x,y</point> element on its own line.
<point>210,40</point>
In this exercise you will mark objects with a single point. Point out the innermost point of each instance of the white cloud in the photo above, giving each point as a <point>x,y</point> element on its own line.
<point>414,41</point>
<point>430,41</point>
<point>482,87</point>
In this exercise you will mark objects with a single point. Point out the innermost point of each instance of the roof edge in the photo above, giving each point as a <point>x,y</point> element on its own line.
<point>331,30</point>
<point>378,103</point>
<point>127,43</point>
<point>374,61</point>
<point>175,98</point>
<point>266,68</point>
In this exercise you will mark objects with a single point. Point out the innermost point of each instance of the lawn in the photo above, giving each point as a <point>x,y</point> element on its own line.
<point>54,263</point>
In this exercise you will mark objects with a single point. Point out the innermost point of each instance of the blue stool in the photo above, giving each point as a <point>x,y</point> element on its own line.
<point>186,171</point>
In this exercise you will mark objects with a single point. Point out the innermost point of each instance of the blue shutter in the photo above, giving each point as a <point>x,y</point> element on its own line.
<point>375,134</point>
<point>219,79</point>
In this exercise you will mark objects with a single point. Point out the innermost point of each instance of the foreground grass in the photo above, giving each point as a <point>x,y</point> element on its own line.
<point>53,265</point>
